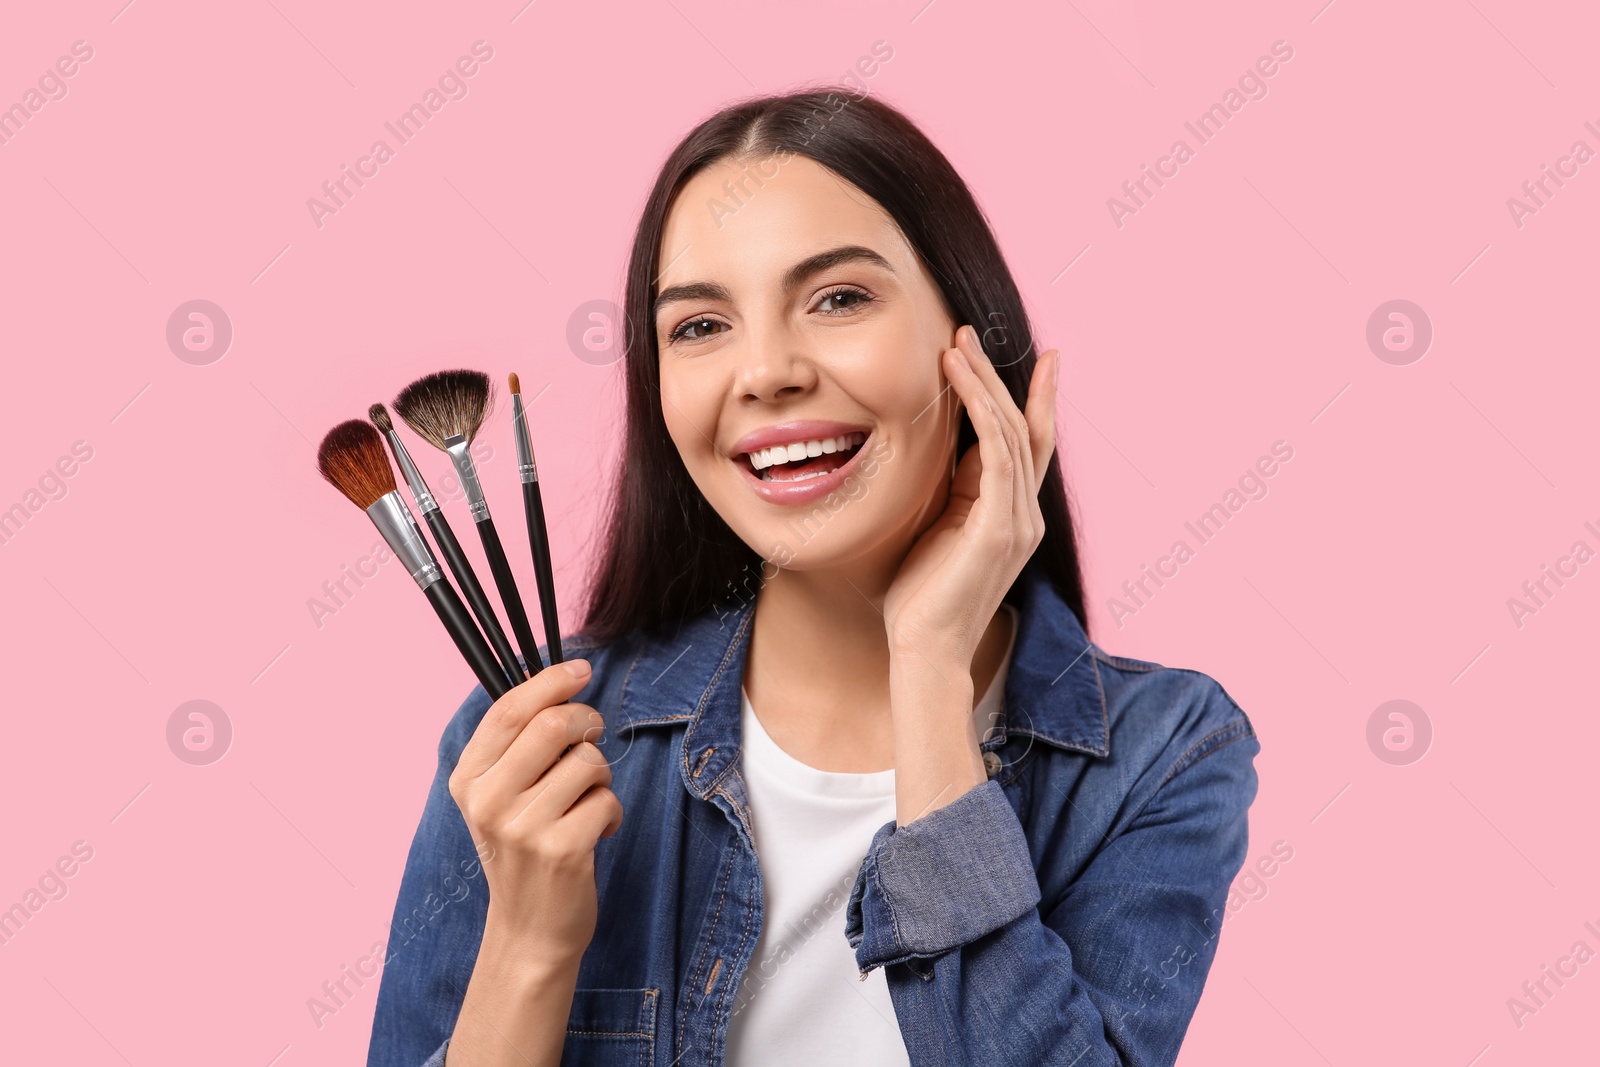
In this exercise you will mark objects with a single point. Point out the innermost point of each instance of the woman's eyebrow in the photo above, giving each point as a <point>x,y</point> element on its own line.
<point>792,278</point>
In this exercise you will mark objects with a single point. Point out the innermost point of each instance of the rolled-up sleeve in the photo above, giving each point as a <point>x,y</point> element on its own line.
<point>948,878</point>
<point>1109,972</point>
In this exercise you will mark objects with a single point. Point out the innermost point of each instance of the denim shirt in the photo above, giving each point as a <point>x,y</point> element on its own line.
<point>1066,911</point>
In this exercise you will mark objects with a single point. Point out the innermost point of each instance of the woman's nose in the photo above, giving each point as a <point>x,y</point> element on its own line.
<point>774,366</point>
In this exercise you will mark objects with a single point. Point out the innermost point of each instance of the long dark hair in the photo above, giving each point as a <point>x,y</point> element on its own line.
<point>667,555</point>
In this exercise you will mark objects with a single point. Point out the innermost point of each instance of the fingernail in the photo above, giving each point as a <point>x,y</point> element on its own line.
<point>578,668</point>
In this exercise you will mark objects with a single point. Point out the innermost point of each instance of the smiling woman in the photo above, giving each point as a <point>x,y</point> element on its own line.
<point>895,787</point>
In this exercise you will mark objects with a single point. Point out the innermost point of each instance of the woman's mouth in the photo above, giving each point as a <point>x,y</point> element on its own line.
<point>802,471</point>
<point>804,459</point>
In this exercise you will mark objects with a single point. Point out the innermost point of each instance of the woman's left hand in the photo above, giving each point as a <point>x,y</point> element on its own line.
<point>952,581</point>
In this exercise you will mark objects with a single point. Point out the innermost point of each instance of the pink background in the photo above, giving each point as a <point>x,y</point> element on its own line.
<point>1230,312</point>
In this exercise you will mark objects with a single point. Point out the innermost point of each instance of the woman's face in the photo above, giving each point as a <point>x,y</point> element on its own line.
<point>800,339</point>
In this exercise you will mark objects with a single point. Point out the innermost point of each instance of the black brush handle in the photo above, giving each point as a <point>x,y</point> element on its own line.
<point>539,541</point>
<point>509,596</point>
<point>468,640</point>
<point>467,578</point>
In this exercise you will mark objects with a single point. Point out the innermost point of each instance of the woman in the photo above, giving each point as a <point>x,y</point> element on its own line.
<point>837,624</point>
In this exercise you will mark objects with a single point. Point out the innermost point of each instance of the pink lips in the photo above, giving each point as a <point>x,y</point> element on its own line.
<point>799,430</point>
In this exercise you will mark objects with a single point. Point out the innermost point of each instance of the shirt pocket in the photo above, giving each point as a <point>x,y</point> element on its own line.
<point>611,1028</point>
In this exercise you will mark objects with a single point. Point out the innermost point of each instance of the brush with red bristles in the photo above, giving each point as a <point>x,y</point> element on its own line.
<point>446,409</point>
<point>352,459</point>
<point>538,537</point>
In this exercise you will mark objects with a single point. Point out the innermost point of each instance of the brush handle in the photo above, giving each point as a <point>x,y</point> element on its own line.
<point>508,594</point>
<point>472,589</point>
<point>468,640</point>
<point>539,541</point>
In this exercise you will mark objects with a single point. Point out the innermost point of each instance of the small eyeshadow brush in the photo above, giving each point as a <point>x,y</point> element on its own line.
<point>352,459</point>
<point>538,537</point>
<point>446,409</point>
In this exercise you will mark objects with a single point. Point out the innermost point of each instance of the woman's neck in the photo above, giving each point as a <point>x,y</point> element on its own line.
<point>818,668</point>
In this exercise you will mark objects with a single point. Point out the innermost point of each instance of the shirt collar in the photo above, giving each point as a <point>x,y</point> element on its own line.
<point>1052,687</point>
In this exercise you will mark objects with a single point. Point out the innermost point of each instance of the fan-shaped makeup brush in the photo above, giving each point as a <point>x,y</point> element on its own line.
<point>460,566</point>
<point>446,409</point>
<point>538,538</point>
<point>352,459</point>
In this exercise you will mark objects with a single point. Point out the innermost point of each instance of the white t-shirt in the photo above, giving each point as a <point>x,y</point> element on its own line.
<point>801,1002</point>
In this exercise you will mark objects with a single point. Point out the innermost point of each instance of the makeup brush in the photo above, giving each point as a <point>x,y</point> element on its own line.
<point>460,566</point>
<point>538,538</point>
<point>351,458</point>
<point>446,409</point>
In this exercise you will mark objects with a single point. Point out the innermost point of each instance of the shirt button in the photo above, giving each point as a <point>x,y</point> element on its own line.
<point>991,763</point>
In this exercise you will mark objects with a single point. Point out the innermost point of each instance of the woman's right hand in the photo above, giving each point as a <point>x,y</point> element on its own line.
<point>535,816</point>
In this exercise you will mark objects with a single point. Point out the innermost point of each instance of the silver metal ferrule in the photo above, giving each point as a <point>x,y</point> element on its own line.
<point>393,519</point>
<point>467,471</point>
<point>525,465</point>
<point>425,546</point>
<point>414,480</point>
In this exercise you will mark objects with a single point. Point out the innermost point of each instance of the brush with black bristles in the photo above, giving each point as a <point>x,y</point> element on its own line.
<point>352,459</point>
<point>446,409</point>
<point>538,537</point>
<point>460,566</point>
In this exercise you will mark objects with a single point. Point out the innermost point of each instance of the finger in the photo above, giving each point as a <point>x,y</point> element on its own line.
<point>968,341</point>
<point>507,716</point>
<point>1018,439</point>
<point>537,748</point>
<point>1041,414</point>
<point>597,814</point>
<point>997,479</point>
<point>977,389</point>
<point>549,798</point>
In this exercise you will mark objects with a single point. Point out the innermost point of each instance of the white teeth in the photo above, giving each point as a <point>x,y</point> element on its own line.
<point>803,477</point>
<point>763,458</point>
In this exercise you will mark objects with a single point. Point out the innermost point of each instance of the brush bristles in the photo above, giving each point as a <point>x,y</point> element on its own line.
<point>516,386</point>
<point>380,417</point>
<point>353,461</point>
<point>447,403</point>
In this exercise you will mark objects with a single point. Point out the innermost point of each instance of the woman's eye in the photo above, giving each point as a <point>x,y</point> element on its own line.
<point>682,332</point>
<point>836,302</point>
<point>854,298</point>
